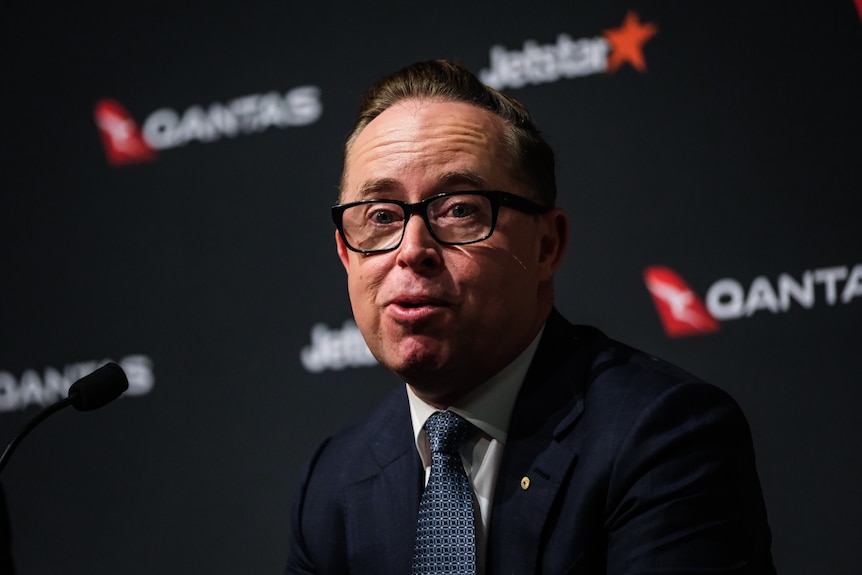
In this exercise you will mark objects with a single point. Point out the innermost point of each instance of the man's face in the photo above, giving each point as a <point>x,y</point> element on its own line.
<point>446,318</point>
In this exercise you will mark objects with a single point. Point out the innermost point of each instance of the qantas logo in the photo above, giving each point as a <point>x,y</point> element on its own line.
<point>127,143</point>
<point>569,58</point>
<point>44,387</point>
<point>121,136</point>
<point>683,313</point>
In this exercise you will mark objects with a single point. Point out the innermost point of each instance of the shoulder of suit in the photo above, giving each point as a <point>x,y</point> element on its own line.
<point>618,369</point>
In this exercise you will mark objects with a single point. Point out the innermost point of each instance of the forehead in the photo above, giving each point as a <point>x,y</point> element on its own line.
<point>421,147</point>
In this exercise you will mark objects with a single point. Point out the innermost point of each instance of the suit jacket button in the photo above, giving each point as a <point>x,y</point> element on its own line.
<point>525,483</point>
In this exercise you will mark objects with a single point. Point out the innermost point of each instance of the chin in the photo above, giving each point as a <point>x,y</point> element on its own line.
<point>416,360</point>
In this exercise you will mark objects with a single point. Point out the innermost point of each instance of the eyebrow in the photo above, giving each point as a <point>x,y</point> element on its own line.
<point>377,186</point>
<point>467,177</point>
<point>446,180</point>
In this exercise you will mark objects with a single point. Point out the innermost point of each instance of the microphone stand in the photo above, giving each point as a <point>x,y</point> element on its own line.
<point>90,392</point>
<point>40,417</point>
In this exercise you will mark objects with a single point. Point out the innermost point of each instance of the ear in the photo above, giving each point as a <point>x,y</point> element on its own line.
<point>553,238</point>
<point>343,252</point>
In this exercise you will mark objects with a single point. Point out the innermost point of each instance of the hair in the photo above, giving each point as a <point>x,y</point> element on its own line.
<point>532,157</point>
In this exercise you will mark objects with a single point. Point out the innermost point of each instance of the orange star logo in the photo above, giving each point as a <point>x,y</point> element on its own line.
<point>627,42</point>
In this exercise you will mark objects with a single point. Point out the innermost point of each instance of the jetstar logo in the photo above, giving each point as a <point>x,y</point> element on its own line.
<point>336,349</point>
<point>683,313</point>
<point>126,143</point>
<point>568,58</point>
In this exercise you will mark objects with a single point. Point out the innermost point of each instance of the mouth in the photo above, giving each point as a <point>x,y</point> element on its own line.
<point>415,307</point>
<point>414,303</point>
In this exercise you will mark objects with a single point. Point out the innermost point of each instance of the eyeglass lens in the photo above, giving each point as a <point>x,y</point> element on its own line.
<point>455,219</point>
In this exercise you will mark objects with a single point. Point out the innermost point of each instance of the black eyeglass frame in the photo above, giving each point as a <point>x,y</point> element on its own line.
<point>496,198</point>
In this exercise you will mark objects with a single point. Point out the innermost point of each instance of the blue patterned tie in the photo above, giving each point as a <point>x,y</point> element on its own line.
<point>445,535</point>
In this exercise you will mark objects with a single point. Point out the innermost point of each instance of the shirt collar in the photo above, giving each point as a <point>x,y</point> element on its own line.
<point>488,407</point>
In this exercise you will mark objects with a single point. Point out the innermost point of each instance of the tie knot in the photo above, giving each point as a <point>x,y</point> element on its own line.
<point>447,431</point>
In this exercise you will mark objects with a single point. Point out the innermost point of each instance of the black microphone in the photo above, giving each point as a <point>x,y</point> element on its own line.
<point>90,392</point>
<point>100,387</point>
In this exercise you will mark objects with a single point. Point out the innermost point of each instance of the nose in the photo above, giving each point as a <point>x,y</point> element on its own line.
<point>418,249</point>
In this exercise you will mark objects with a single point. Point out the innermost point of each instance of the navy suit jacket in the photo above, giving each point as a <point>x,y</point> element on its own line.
<point>634,466</point>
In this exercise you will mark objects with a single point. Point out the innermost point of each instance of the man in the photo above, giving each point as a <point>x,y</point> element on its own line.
<point>582,454</point>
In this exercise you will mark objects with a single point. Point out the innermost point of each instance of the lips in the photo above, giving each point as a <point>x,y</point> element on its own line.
<point>417,301</point>
<point>414,307</point>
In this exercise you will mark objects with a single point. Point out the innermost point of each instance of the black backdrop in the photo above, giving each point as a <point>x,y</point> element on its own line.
<point>732,157</point>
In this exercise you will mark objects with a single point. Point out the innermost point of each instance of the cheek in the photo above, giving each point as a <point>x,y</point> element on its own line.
<point>363,282</point>
<point>494,277</point>
<point>510,260</point>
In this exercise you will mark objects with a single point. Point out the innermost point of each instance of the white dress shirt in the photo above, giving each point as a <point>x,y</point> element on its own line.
<point>489,408</point>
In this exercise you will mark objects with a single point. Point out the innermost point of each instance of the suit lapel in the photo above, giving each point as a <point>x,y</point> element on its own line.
<point>382,506</point>
<point>539,456</point>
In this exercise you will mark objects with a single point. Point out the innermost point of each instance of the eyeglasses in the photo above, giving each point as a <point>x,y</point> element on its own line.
<point>452,218</point>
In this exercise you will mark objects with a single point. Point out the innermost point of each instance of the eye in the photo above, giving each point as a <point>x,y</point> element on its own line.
<point>383,215</point>
<point>458,207</point>
<point>462,210</point>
